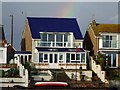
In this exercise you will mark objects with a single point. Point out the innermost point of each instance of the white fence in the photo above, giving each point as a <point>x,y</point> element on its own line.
<point>97,69</point>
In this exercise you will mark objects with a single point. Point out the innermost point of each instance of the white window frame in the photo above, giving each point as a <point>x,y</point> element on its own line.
<point>110,45</point>
<point>45,60</point>
<point>63,39</point>
<point>61,61</point>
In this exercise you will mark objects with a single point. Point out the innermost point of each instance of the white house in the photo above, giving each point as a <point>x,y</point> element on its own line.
<point>3,48</point>
<point>54,42</point>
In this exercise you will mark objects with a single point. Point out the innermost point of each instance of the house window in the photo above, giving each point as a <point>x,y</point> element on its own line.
<point>82,57</point>
<point>45,56</point>
<point>59,38</point>
<point>43,39</point>
<point>55,58</point>
<point>109,41</point>
<point>54,39</point>
<point>77,56</point>
<point>65,37</point>
<point>72,56</point>
<point>68,57</point>
<point>61,58</point>
<point>51,37</point>
<point>44,36</point>
<point>40,57</point>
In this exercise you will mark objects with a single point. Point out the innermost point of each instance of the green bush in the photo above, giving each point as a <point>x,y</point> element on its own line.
<point>12,72</point>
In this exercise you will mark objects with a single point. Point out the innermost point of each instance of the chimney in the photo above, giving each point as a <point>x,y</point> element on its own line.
<point>93,23</point>
<point>4,43</point>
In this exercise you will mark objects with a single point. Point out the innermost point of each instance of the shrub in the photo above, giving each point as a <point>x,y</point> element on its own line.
<point>12,72</point>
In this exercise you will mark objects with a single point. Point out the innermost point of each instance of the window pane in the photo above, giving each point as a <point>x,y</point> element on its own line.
<point>77,56</point>
<point>55,58</point>
<point>114,42</point>
<point>82,58</point>
<point>106,43</point>
<point>40,57</point>
<point>59,37</point>
<point>114,60</point>
<point>61,57</point>
<point>65,37</point>
<point>72,56</point>
<point>43,36</point>
<point>51,58</point>
<point>68,57</point>
<point>51,37</point>
<point>45,57</point>
<point>103,37</point>
<point>106,37</point>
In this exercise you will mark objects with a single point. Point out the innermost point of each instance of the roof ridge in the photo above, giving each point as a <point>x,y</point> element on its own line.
<point>50,17</point>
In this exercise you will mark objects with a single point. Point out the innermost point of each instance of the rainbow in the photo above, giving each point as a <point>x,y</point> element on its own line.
<point>69,10</point>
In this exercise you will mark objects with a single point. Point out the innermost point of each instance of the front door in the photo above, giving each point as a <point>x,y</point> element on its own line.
<point>53,60</point>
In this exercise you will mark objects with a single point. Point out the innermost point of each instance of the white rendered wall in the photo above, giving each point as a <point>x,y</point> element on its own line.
<point>3,55</point>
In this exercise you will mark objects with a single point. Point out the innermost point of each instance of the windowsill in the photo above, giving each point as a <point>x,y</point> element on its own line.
<point>113,67</point>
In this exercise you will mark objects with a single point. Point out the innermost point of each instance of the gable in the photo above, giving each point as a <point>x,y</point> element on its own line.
<point>37,25</point>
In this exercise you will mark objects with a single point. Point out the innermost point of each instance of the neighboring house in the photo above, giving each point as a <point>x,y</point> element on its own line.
<point>24,56</point>
<point>54,42</point>
<point>104,38</point>
<point>3,49</point>
<point>6,49</point>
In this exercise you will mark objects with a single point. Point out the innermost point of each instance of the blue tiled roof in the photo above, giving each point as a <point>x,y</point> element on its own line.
<point>59,49</point>
<point>38,24</point>
<point>23,52</point>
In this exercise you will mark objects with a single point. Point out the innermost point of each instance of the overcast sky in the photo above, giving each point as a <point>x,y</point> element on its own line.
<point>102,12</point>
